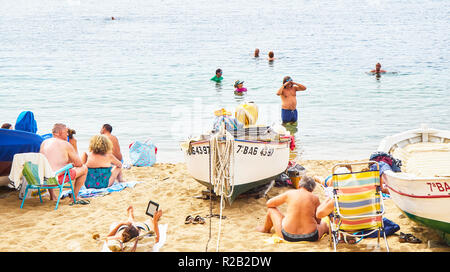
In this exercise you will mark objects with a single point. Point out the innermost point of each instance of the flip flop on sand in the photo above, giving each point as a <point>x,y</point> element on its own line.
<point>189,219</point>
<point>408,238</point>
<point>199,220</point>
<point>81,202</point>
<point>216,215</point>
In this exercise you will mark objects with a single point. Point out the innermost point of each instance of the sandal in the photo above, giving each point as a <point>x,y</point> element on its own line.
<point>408,238</point>
<point>189,219</point>
<point>81,202</point>
<point>216,215</point>
<point>199,220</point>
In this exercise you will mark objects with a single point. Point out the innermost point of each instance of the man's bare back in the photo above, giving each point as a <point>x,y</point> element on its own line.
<point>300,222</point>
<point>300,216</point>
<point>116,146</point>
<point>59,153</point>
<point>106,130</point>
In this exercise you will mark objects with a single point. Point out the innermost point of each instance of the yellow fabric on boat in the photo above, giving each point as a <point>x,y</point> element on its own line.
<point>247,113</point>
<point>222,112</point>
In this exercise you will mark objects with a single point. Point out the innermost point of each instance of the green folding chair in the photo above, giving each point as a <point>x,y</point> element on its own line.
<point>30,172</point>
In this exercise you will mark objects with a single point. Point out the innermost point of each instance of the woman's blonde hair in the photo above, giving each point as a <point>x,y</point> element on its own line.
<point>100,144</point>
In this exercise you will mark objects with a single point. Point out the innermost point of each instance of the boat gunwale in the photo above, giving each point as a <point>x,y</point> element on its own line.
<point>246,141</point>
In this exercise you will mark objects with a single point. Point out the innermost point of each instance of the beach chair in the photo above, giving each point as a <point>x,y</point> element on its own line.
<point>359,206</point>
<point>31,174</point>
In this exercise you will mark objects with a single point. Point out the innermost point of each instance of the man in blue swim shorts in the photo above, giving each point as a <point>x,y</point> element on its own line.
<point>288,94</point>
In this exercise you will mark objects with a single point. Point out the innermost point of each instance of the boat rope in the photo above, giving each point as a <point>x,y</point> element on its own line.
<point>222,168</point>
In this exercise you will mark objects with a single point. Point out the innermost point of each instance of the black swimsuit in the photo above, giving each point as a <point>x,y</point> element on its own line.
<point>311,237</point>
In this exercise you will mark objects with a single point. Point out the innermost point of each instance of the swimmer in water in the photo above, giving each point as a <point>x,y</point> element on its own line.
<point>378,69</point>
<point>218,77</point>
<point>256,53</point>
<point>239,85</point>
<point>271,56</point>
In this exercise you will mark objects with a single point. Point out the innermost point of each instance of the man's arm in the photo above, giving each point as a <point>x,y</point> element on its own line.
<point>280,91</point>
<point>277,200</point>
<point>325,208</point>
<point>73,156</point>
<point>299,87</point>
<point>115,161</point>
<point>116,148</point>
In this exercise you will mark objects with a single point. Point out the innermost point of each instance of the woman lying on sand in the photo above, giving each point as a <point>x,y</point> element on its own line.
<point>126,230</point>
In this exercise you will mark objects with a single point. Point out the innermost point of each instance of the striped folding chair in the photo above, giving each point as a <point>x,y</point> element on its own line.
<point>359,206</point>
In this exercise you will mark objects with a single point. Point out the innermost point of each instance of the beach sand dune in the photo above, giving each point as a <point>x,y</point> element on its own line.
<point>38,227</point>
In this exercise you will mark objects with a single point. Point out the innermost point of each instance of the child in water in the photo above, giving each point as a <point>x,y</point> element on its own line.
<point>218,76</point>
<point>239,85</point>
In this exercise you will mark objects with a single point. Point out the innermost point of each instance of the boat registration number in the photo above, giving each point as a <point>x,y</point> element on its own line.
<point>438,186</point>
<point>199,150</point>
<point>266,151</point>
<point>241,149</point>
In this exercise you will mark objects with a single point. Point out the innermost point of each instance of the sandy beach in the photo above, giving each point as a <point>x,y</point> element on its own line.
<point>39,228</point>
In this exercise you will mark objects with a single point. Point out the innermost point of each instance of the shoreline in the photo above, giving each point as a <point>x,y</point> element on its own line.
<point>71,228</point>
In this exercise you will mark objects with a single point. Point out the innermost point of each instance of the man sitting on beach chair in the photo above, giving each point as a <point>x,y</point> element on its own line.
<point>300,222</point>
<point>59,152</point>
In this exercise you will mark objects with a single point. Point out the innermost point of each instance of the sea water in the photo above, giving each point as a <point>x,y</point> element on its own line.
<point>147,72</point>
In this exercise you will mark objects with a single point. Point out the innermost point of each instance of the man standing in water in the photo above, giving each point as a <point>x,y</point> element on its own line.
<point>288,94</point>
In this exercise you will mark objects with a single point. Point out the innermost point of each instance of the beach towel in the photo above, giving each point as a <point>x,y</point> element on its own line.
<point>92,192</point>
<point>156,247</point>
<point>142,153</point>
<point>44,171</point>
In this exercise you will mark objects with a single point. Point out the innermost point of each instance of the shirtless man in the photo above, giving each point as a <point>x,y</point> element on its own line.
<point>302,221</point>
<point>106,130</point>
<point>378,69</point>
<point>288,94</point>
<point>59,152</point>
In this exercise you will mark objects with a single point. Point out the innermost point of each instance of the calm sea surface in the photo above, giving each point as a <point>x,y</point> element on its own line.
<point>147,72</point>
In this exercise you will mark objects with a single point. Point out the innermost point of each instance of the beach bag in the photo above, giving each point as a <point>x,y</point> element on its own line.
<point>142,153</point>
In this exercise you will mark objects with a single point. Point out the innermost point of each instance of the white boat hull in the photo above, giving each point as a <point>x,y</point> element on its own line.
<point>256,162</point>
<point>423,199</point>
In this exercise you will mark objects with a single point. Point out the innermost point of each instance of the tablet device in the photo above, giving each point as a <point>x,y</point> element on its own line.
<point>152,208</point>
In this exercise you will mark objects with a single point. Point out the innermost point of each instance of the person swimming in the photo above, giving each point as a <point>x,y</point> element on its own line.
<point>239,85</point>
<point>218,76</point>
<point>378,69</point>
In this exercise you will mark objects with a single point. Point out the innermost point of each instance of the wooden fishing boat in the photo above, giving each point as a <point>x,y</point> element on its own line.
<point>257,161</point>
<point>422,189</point>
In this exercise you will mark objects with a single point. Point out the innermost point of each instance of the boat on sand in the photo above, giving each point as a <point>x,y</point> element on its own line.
<point>422,189</point>
<point>257,154</point>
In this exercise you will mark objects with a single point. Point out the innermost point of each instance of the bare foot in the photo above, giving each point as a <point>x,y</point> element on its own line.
<point>262,229</point>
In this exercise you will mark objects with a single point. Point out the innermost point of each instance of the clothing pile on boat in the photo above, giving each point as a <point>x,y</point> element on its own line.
<point>386,162</point>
